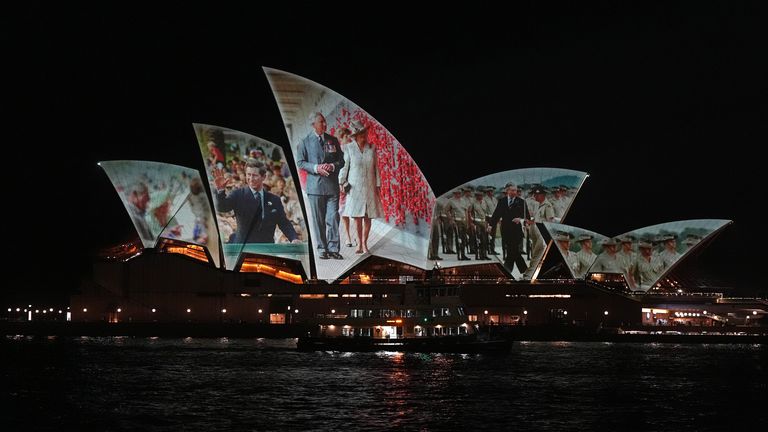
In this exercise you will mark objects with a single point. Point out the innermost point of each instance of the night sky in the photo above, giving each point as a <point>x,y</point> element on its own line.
<point>666,109</point>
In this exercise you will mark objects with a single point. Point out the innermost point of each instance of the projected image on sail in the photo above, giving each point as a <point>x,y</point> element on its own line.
<point>254,195</point>
<point>152,192</point>
<point>362,191</point>
<point>194,222</point>
<point>580,248</point>
<point>494,218</point>
<point>655,250</point>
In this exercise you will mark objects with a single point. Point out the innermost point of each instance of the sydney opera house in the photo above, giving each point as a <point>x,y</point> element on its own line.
<point>348,235</point>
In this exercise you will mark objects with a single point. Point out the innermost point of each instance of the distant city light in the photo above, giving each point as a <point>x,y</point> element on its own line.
<point>10,310</point>
<point>525,312</point>
<point>51,309</point>
<point>485,312</point>
<point>85,309</point>
<point>754,312</point>
<point>333,310</point>
<point>260,311</point>
<point>223,311</point>
<point>605,312</point>
<point>119,310</point>
<point>17,309</point>
<point>565,312</point>
<point>295,311</point>
<point>154,310</point>
<point>189,310</point>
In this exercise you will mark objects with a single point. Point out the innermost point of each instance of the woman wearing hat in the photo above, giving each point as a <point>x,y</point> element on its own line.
<point>362,175</point>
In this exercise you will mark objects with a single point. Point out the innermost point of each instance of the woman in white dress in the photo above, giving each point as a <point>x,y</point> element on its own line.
<point>361,174</point>
<point>344,140</point>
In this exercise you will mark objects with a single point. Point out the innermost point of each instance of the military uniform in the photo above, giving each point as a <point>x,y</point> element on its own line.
<point>560,205</point>
<point>645,271</point>
<point>434,238</point>
<point>446,226</point>
<point>669,254</point>
<point>479,213</point>
<point>564,246</point>
<point>491,202</point>
<point>584,258</point>
<point>468,193</point>
<point>607,262</point>
<point>541,212</point>
<point>457,210</point>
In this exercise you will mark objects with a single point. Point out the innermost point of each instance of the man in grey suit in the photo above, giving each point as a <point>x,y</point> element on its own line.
<point>319,154</point>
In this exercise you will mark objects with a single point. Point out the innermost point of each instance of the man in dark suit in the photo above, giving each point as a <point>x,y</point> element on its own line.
<point>257,211</point>
<point>513,213</point>
<point>319,154</point>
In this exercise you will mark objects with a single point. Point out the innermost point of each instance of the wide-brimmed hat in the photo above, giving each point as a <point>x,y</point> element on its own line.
<point>583,237</point>
<point>609,242</point>
<point>645,243</point>
<point>356,127</point>
<point>691,240</point>
<point>562,236</point>
<point>538,189</point>
<point>626,239</point>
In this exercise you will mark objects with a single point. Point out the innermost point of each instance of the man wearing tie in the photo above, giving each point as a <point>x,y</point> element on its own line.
<point>319,154</point>
<point>513,213</point>
<point>257,211</point>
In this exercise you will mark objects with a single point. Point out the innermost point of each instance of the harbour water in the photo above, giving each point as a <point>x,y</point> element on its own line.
<point>122,383</point>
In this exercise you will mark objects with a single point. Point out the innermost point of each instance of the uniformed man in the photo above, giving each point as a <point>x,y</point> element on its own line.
<point>647,267</point>
<point>435,236</point>
<point>563,241</point>
<point>584,257</point>
<point>478,215</point>
<point>608,260</point>
<point>627,257</point>
<point>669,255</point>
<point>541,211</point>
<point>690,241</point>
<point>469,191</point>
<point>457,211</point>
<point>446,226</point>
<point>560,202</point>
<point>491,202</point>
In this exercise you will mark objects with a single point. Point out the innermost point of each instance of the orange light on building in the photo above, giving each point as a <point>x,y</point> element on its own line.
<point>272,271</point>
<point>192,251</point>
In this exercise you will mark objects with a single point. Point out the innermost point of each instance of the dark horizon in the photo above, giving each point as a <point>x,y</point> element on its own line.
<point>662,112</point>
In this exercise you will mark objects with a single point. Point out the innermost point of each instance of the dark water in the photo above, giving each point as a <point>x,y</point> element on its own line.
<point>221,384</point>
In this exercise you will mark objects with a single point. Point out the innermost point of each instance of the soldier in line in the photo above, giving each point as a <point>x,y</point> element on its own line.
<point>690,241</point>
<point>457,211</point>
<point>669,254</point>
<point>608,261</point>
<point>627,257</point>
<point>647,267</point>
<point>584,257</point>
<point>446,226</point>
<point>467,196</point>
<point>478,215</point>
<point>435,236</point>
<point>563,240</point>
<point>560,202</point>
<point>541,211</point>
<point>491,202</point>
